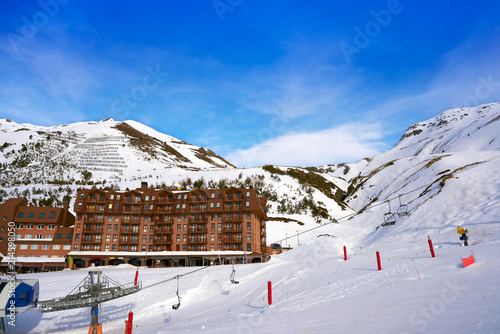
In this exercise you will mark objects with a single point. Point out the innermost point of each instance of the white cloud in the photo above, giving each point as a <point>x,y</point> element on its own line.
<point>346,143</point>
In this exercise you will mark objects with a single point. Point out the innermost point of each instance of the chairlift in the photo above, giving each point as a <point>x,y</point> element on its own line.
<point>403,209</point>
<point>233,274</point>
<point>176,306</point>
<point>389,217</point>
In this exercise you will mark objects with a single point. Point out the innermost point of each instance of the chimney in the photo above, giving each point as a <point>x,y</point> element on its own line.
<point>65,212</point>
<point>144,186</point>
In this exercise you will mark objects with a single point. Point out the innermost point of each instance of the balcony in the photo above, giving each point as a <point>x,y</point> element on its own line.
<point>226,239</point>
<point>233,219</point>
<point>92,229</point>
<point>198,229</point>
<point>198,220</point>
<point>129,230</point>
<point>94,239</point>
<point>128,241</point>
<point>197,241</point>
<point>161,241</point>
<point>233,229</point>
<point>163,230</point>
<point>198,200</point>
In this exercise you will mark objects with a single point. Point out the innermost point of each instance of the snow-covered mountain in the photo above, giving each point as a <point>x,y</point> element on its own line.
<point>108,150</point>
<point>52,162</point>
<point>445,170</point>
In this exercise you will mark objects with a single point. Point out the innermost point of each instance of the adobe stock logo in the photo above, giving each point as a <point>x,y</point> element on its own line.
<point>222,6</point>
<point>372,29</point>
<point>122,106</point>
<point>31,27</point>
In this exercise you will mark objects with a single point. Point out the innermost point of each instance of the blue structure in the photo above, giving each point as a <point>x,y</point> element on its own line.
<point>17,295</point>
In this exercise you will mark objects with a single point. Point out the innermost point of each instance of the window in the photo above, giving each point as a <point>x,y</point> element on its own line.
<point>34,246</point>
<point>56,247</point>
<point>40,227</point>
<point>51,226</point>
<point>247,204</point>
<point>213,227</point>
<point>113,248</point>
<point>41,215</point>
<point>19,225</point>
<point>23,246</point>
<point>219,226</point>
<point>213,195</point>
<point>185,196</point>
<point>218,204</point>
<point>248,194</point>
<point>108,237</point>
<point>82,196</point>
<point>45,247</point>
<point>27,236</point>
<point>145,229</point>
<point>69,236</point>
<point>58,235</point>
<point>30,226</point>
<point>77,237</point>
<point>249,226</point>
<point>66,247</point>
<point>211,205</point>
<point>115,237</point>
<point>39,236</point>
<point>184,237</point>
<point>212,237</point>
<point>79,205</point>
<point>133,248</point>
<point>20,215</point>
<point>184,206</point>
<point>31,215</point>
<point>249,247</point>
<point>144,238</point>
<point>249,236</point>
<point>106,248</point>
<point>52,214</point>
<point>111,197</point>
<point>152,228</point>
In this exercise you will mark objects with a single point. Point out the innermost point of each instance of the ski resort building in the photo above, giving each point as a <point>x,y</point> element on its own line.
<point>43,235</point>
<point>168,226</point>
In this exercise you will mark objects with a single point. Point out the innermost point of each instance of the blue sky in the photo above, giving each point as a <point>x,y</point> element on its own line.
<point>287,82</point>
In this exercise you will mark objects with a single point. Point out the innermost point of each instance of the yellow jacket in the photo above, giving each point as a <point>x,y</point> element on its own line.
<point>461,230</point>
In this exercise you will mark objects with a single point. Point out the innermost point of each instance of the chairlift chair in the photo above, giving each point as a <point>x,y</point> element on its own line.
<point>389,217</point>
<point>176,306</point>
<point>403,209</point>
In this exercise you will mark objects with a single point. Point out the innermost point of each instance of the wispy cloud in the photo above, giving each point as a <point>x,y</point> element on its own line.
<point>346,143</point>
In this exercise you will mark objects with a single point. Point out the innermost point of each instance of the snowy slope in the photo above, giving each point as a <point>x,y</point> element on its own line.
<point>446,178</point>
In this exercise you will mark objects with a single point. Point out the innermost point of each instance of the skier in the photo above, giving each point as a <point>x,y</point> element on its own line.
<point>464,237</point>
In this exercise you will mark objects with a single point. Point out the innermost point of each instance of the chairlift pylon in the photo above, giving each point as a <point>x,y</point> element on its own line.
<point>176,306</point>
<point>233,274</point>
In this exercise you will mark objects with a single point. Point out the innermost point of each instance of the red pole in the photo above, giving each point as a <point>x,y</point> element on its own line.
<point>430,246</point>
<point>378,261</point>
<point>269,293</point>
<point>130,321</point>
<point>345,254</point>
<point>136,275</point>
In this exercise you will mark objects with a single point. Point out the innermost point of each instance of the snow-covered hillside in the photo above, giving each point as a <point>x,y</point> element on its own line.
<point>109,150</point>
<point>447,175</point>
